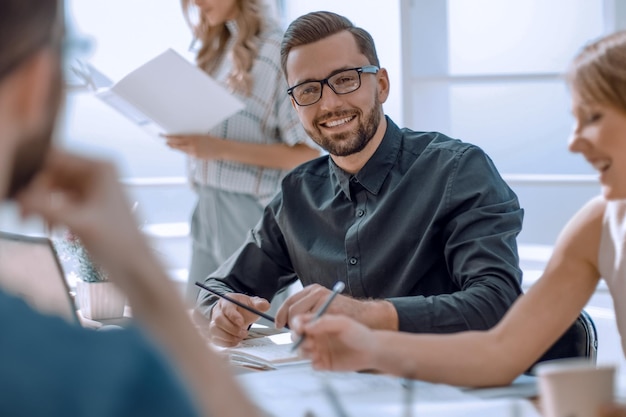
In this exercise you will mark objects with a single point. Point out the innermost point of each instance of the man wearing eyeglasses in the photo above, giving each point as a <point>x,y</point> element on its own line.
<point>420,227</point>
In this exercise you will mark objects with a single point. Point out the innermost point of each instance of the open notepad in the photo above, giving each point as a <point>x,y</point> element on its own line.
<point>264,350</point>
<point>166,95</point>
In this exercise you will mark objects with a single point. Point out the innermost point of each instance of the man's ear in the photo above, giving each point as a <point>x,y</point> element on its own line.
<point>29,86</point>
<point>382,78</point>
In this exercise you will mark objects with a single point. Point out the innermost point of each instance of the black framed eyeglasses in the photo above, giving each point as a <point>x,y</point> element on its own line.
<point>341,82</point>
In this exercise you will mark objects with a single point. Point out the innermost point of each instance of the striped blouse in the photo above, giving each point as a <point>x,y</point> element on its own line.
<point>268,118</point>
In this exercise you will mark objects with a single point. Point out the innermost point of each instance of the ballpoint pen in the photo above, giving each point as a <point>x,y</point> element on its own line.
<point>239,303</point>
<point>337,288</point>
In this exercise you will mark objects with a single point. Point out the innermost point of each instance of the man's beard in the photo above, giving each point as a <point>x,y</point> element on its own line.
<point>348,143</point>
<point>33,147</point>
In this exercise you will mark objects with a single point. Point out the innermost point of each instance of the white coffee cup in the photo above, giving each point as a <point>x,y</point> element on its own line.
<point>574,387</point>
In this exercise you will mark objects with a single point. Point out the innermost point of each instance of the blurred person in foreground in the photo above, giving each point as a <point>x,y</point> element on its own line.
<point>48,366</point>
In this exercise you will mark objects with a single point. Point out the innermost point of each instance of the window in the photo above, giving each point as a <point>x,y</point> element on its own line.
<point>489,72</point>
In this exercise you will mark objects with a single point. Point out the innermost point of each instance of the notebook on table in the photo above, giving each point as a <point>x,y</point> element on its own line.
<point>30,269</point>
<point>264,349</point>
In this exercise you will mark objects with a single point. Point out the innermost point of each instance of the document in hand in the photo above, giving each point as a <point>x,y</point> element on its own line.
<point>171,95</point>
<point>265,352</point>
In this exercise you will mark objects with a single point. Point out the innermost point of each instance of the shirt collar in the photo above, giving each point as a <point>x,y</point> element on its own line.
<point>232,27</point>
<point>373,174</point>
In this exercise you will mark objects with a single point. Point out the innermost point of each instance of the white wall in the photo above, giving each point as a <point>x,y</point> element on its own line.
<point>489,72</point>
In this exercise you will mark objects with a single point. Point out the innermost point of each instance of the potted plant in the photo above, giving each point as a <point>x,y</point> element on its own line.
<point>97,297</point>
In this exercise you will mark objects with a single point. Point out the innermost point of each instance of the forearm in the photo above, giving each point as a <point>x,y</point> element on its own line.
<point>496,356</point>
<point>479,307</point>
<point>274,156</point>
<point>378,315</point>
<point>257,269</point>
<point>465,359</point>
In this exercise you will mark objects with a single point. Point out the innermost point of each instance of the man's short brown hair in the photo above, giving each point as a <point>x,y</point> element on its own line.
<point>316,26</point>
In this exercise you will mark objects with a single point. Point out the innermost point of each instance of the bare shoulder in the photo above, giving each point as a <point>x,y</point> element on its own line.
<point>580,238</point>
<point>589,217</point>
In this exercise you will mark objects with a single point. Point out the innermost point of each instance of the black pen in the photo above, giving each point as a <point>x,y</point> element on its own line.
<point>337,288</point>
<point>238,303</point>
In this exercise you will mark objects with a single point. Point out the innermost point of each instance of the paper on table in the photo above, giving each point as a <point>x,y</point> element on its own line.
<point>295,391</point>
<point>170,95</point>
<point>268,352</point>
<point>485,408</point>
<point>303,381</point>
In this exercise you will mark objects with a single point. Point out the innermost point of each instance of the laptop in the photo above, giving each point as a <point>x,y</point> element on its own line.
<point>30,269</point>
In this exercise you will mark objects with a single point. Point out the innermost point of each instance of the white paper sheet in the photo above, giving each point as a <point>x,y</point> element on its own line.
<point>266,352</point>
<point>300,390</point>
<point>170,95</point>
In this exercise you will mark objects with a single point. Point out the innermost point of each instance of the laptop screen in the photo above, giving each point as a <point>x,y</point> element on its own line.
<point>30,269</point>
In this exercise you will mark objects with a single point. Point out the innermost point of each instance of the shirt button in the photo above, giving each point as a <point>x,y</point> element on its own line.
<point>353,261</point>
<point>360,212</point>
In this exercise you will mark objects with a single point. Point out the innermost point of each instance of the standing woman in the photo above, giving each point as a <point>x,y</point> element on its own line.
<point>236,168</point>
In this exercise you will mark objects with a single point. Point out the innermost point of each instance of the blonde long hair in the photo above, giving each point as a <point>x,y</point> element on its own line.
<point>598,73</point>
<point>215,38</point>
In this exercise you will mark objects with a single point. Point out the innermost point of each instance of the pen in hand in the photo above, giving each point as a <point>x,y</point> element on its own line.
<point>239,303</point>
<point>337,288</point>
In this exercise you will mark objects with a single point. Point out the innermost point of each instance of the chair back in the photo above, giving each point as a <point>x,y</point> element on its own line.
<point>579,341</point>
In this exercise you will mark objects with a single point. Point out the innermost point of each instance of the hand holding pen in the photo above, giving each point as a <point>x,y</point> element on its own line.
<point>237,303</point>
<point>232,315</point>
<point>337,288</point>
<point>338,342</point>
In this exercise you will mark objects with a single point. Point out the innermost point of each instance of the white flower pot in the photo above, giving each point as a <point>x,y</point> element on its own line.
<point>100,300</point>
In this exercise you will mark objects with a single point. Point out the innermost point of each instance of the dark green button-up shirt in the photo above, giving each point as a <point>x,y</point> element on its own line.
<point>428,223</point>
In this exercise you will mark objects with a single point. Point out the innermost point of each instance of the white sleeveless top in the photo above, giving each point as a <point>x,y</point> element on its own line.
<point>612,260</point>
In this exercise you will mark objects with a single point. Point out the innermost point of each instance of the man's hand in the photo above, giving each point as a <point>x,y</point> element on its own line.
<point>377,314</point>
<point>85,196</point>
<point>336,343</point>
<point>229,323</point>
<point>199,146</point>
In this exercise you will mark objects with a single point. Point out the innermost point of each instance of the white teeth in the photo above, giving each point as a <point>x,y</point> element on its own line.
<point>338,122</point>
<point>601,165</point>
